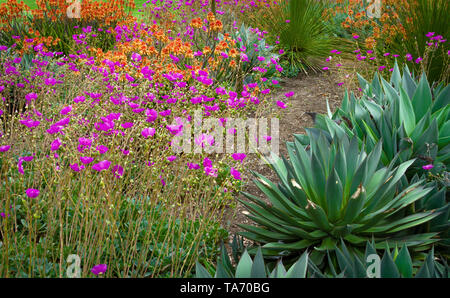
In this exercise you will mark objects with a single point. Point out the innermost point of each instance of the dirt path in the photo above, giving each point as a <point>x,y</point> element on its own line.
<point>311,93</point>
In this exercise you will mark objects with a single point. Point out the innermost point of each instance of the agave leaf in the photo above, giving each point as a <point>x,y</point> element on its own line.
<point>408,83</point>
<point>328,243</point>
<point>298,270</point>
<point>442,100</point>
<point>392,95</point>
<point>258,269</point>
<point>429,137</point>
<point>376,87</point>
<point>404,223</point>
<point>362,82</point>
<point>388,267</point>
<point>334,194</point>
<point>244,267</point>
<point>345,263</point>
<point>420,127</point>
<point>299,245</point>
<point>267,234</point>
<point>423,272</point>
<point>355,205</point>
<point>404,262</point>
<point>406,112</point>
<point>422,99</point>
<point>319,181</point>
<point>201,272</point>
<point>396,77</point>
<point>279,271</point>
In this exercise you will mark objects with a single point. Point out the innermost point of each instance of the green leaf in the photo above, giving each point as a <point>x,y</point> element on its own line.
<point>258,268</point>
<point>406,112</point>
<point>404,262</point>
<point>388,267</point>
<point>422,99</point>
<point>201,272</point>
<point>442,100</point>
<point>334,194</point>
<point>244,268</point>
<point>298,270</point>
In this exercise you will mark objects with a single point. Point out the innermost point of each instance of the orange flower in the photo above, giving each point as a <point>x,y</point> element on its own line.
<point>197,23</point>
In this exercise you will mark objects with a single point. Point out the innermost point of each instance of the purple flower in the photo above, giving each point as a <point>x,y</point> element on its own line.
<point>281,104</point>
<point>427,167</point>
<point>99,269</point>
<point>151,115</point>
<point>193,166</point>
<point>148,132</point>
<point>32,193</point>
<point>102,149</point>
<point>55,144</point>
<point>31,96</point>
<point>5,148</point>
<point>86,159</point>
<point>66,110</point>
<point>239,156</point>
<point>289,94</point>
<point>171,158</point>
<point>76,167</point>
<point>117,171</point>
<point>235,173</point>
<point>30,123</point>
<point>136,57</point>
<point>103,165</point>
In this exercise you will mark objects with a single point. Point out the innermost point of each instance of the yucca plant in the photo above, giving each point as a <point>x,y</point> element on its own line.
<point>331,190</point>
<point>303,34</point>
<point>393,264</point>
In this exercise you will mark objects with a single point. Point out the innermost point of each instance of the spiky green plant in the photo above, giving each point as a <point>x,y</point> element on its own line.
<point>341,264</point>
<point>393,264</point>
<point>411,117</point>
<point>303,34</point>
<point>256,268</point>
<point>331,190</point>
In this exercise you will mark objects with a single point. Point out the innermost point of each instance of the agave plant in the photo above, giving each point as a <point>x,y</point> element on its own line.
<point>256,268</point>
<point>411,118</point>
<point>395,264</point>
<point>331,190</point>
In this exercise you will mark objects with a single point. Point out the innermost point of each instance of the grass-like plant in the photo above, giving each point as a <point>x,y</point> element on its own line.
<point>299,28</point>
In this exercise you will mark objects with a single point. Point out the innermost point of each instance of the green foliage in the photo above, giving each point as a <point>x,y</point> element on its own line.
<point>331,190</point>
<point>341,263</point>
<point>409,115</point>
<point>393,264</point>
<point>255,46</point>
<point>412,120</point>
<point>256,268</point>
<point>426,16</point>
<point>303,34</point>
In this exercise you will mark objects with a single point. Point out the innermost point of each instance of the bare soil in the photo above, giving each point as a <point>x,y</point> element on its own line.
<point>310,96</point>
